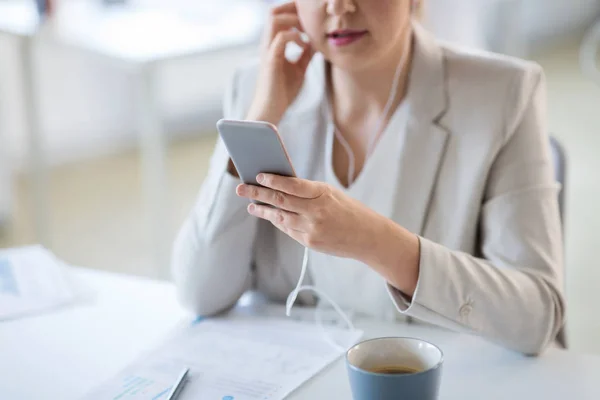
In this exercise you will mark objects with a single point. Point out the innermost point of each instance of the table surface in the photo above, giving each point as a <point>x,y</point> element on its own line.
<point>137,34</point>
<point>65,353</point>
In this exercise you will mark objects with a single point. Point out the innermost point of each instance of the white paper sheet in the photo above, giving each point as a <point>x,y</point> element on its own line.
<point>32,280</point>
<point>231,358</point>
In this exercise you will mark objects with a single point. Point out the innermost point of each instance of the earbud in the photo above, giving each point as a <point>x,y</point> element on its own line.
<point>293,52</point>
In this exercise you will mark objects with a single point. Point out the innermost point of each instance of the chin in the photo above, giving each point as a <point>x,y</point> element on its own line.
<point>349,61</point>
<point>354,57</point>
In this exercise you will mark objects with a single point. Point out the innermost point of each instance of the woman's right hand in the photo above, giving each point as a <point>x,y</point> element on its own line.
<point>279,80</point>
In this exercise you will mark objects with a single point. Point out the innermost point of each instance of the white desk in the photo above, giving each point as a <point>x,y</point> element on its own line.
<point>64,354</point>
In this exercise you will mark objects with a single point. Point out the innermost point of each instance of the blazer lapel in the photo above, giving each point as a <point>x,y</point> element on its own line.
<point>425,140</point>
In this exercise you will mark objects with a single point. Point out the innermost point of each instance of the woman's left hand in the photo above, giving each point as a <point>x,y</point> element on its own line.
<point>315,214</point>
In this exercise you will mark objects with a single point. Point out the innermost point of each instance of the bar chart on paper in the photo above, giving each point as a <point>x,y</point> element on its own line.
<point>151,384</point>
<point>231,358</point>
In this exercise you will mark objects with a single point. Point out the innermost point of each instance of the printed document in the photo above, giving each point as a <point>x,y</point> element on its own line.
<point>232,358</point>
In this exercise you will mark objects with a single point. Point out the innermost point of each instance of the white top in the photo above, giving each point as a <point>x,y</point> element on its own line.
<point>375,186</point>
<point>64,354</point>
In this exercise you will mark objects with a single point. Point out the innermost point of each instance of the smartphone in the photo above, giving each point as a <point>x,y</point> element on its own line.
<point>255,147</point>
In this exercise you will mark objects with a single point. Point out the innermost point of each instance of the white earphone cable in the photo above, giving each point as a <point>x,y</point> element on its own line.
<point>293,296</point>
<point>375,134</point>
<point>299,288</point>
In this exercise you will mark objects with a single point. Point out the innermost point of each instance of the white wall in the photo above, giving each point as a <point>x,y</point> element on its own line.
<point>10,127</point>
<point>87,106</point>
<point>547,20</point>
<point>441,17</point>
<point>512,26</point>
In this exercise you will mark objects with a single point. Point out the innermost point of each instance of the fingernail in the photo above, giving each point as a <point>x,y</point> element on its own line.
<point>251,208</point>
<point>260,178</point>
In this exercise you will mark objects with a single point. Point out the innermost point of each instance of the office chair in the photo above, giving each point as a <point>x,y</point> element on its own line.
<point>559,159</point>
<point>588,54</point>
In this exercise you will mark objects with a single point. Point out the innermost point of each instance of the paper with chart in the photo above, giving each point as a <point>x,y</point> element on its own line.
<point>232,358</point>
<point>32,280</point>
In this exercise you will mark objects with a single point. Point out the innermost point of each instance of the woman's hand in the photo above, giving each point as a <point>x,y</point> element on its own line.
<point>327,220</point>
<point>313,213</point>
<point>279,80</point>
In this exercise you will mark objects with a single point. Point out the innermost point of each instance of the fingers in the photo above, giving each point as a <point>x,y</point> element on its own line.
<point>292,186</point>
<point>280,22</point>
<point>285,27</point>
<point>284,22</point>
<point>275,198</point>
<point>280,218</point>
<point>287,7</point>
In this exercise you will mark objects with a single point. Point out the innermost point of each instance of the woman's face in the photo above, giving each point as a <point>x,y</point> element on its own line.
<point>353,34</point>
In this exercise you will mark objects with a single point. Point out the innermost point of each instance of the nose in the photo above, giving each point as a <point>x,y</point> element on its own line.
<point>340,7</point>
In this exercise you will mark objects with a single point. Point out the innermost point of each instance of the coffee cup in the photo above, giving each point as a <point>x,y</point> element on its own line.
<point>394,368</point>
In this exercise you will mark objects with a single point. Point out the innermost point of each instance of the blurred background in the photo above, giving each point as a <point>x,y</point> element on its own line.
<point>108,111</point>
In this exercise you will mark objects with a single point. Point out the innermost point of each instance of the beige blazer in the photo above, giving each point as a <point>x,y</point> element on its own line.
<point>476,184</point>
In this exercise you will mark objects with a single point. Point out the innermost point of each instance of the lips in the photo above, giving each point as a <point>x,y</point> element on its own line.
<point>345,37</point>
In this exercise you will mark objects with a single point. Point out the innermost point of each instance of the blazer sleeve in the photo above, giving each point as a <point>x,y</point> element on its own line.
<point>213,251</point>
<point>512,294</point>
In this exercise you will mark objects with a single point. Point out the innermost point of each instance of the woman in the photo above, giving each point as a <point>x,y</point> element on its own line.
<point>453,219</point>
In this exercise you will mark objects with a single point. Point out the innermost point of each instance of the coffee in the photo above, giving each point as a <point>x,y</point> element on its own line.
<point>394,370</point>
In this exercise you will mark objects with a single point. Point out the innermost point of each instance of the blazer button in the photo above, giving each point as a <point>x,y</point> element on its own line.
<point>465,310</point>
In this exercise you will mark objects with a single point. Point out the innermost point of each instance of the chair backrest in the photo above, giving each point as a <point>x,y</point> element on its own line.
<point>559,157</point>
<point>560,171</point>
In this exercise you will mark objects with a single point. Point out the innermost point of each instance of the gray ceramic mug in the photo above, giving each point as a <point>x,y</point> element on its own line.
<point>385,353</point>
